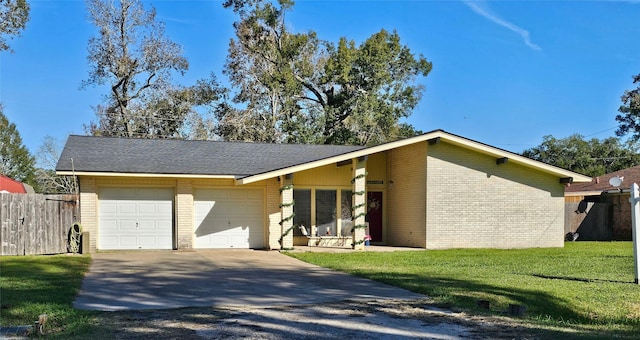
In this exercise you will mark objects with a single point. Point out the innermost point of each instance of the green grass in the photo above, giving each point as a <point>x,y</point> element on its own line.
<point>34,285</point>
<point>586,285</point>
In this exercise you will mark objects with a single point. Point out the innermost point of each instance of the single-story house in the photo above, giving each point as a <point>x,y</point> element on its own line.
<point>435,191</point>
<point>599,211</point>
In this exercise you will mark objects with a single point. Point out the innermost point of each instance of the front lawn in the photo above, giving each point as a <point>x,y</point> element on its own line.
<point>34,285</point>
<point>586,285</point>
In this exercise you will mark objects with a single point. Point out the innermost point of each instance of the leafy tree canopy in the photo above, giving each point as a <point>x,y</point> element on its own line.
<point>629,117</point>
<point>14,15</point>
<point>295,87</point>
<point>133,57</point>
<point>592,157</point>
<point>15,160</point>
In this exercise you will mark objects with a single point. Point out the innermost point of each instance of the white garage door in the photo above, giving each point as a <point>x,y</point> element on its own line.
<point>135,218</point>
<point>229,218</point>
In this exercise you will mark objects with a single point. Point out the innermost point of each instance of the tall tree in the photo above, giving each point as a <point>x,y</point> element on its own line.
<point>132,55</point>
<point>592,157</point>
<point>629,117</point>
<point>15,160</point>
<point>294,87</point>
<point>14,15</point>
<point>47,159</point>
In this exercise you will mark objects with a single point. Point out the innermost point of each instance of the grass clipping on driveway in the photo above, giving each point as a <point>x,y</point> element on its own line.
<point>586,284</point>
<point>34,285</point>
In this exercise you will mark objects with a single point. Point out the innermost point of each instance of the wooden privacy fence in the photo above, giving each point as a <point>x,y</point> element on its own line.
<point>589,219</point>
<point>35,224</point>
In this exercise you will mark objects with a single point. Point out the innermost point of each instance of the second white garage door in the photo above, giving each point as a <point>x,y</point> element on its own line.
<point>229,218</point>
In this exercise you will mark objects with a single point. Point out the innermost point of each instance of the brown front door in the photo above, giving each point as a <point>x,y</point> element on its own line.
<point>374,215</point>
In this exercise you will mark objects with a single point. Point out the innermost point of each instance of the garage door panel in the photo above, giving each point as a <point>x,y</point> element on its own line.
<point>149,241</point>
<point>148,226</point>
<point>126,207</point>
<point>135,218</point>
<point>229,218</point>
<point>147,208</point>
<point>125,225</point>
<point>108,226</point>
<point>243,195</point>
<point>128,242</point>
<point>108,242</point>
<point>108,207</point>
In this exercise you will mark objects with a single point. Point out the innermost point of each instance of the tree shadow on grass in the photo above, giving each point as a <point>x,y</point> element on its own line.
<point>35,285</point>
<point>541,308</point>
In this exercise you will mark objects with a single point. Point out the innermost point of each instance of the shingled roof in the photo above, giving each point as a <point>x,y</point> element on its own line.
<point>185,157</point>
<point>601,183</point>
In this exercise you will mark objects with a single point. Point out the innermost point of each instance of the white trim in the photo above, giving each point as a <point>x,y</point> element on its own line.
<point>582,193</point>
<point>123,174</point>
<point>445,137</point>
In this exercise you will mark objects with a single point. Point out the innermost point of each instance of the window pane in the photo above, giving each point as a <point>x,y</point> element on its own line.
<point>345,219</point>
<point>326,212</point>
<point>302,210</point>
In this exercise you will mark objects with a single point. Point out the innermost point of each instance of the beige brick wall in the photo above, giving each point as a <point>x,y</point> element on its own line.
<point>184,213</point>
<point>88,209</point>
<point>406,203</point>
<point>286,198</point>
<point>272,205</point>
<point>474,203</point>
<point>359,201</point>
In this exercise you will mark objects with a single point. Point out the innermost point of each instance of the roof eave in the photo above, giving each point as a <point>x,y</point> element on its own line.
<point>450,138</point>
<point>129,174</point>
<point>582,193</point>
<point>333,159</point>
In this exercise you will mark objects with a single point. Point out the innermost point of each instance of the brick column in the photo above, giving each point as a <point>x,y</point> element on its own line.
<point>359,202</point>
<point>286,208</point>
<point>184,214</point>
<point>89,209</point>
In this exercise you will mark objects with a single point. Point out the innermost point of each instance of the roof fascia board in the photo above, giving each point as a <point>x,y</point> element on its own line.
<point>583,193</point>
<point>335,159</point>
<point>122,174</point>
<point>449,138</point>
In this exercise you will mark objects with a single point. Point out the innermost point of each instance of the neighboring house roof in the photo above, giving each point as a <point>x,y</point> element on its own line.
<point>88,154</point>
<point>10,185</point>
<point>246,162</point>
<point>601,184</point>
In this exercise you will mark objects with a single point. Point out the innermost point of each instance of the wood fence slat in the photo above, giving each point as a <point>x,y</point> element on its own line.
<point>17,217</point>
<point>4,225</point>
<point>33,224</point>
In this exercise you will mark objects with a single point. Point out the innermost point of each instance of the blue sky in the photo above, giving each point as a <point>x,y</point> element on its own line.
<point>505,73</point>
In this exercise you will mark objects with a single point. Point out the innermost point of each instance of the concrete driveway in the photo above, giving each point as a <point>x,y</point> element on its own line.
<point>171,279</point>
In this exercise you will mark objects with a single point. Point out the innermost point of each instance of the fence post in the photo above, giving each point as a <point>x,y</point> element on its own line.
<point>635,215</point>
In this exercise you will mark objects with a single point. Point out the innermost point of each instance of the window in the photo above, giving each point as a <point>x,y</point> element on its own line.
<point>345,206</point>
<point>302,210</point>
<point>331,206</point>
<point>326,212</point>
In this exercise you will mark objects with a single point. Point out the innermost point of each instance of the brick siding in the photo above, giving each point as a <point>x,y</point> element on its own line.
<point>474,203</point>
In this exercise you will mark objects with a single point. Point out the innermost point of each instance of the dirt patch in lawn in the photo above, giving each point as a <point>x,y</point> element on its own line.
<point>350,319</point>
